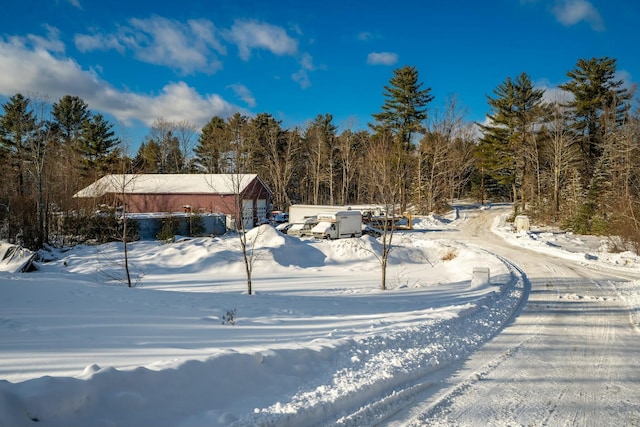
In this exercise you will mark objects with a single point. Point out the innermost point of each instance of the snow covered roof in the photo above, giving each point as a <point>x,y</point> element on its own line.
<point>168,184</point>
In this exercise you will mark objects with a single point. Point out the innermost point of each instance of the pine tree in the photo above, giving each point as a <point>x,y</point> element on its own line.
<point>509,142</point>
<point>595,91</point>
<point>263,131</point>
<point>599,107</point>
<point>237,158</point>
<point>147,159</point>
<point>212,143</point>
<point>17,126</point>
<point>403,113</point>
<point>404,108</point>
<point>70,114</point>
<point>97,145</point>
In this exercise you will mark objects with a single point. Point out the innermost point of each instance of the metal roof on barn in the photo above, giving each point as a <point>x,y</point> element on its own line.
<point>169,184</point>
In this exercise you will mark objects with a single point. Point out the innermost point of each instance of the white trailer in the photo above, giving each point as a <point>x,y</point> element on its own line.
<point>299,213</point>
<point>337,225</point>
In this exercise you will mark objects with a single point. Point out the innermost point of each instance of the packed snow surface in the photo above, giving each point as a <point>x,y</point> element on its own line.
<point>318,343</point>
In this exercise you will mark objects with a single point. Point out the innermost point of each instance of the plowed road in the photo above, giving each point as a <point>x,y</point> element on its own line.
<point>570,356</point>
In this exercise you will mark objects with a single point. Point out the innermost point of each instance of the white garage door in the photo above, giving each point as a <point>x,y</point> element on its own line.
<point>247,214</point>
<point>261,208</point>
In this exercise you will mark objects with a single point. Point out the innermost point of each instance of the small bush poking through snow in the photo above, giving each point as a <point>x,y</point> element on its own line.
<point>449,255</point>
<point>230,317</point>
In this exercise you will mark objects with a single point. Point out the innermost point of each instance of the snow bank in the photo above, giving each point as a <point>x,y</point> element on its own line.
<point>318,341</point>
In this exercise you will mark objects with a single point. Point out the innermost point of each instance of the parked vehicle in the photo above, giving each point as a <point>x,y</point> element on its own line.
<point>284,227</point>
<point>279,217</point>
<point>299,213</point>
<point>338,225</point>
<point>303,229</point>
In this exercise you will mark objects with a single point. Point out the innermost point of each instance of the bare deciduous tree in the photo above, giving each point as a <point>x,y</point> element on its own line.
<point>281,149</point>
<point>240,184</point>
<point>347,157</point>
<point>445,157</point>
<point>559,151</point>
<point>163,133</point>
<point>186,133</point>
<point>384,172</point>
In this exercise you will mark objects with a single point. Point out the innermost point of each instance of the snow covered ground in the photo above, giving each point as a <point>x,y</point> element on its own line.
<point>319,343</point>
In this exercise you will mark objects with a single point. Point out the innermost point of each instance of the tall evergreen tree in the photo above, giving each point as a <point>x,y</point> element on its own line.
<point>70,114</point>
<point>599,108</point>
<point>509,141</point>
<point>97,145</point>
<point>404,108</point>
<point>261,129</point>
<point>211,146</point>
<point>240,149</point>
<point>403,113</point>
<point>596,92</point>
<point>17,126</point>
<point>147,159</point>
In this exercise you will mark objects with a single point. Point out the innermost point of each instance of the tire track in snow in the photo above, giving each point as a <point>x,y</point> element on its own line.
<point>379,412</point>
<point>577,384</point>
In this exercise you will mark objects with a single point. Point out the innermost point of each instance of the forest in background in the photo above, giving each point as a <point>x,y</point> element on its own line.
<point>571,161</point>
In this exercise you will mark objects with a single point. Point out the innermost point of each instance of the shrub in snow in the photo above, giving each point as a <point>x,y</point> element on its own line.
<point>169,229</point>
<point>230,317</point>
<point>449,255</point>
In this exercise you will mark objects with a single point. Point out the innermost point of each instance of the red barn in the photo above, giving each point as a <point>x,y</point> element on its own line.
<point>229,194</point>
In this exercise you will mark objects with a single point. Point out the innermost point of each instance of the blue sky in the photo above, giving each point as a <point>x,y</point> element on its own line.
<point>136,61</point>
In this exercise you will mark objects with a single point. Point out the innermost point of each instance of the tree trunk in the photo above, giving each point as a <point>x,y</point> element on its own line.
<point>126,250</point>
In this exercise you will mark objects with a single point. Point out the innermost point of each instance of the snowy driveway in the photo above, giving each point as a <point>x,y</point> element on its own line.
<point>570,358</point>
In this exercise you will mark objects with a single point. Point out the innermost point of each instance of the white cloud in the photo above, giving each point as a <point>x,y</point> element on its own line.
<point>33,70</point>
<point>243,93</point>
<point>627,80</point>
<point>195,45</point>
<point>382,58</point>
<point>249,35</point>
<point>86,42</point>
<point>177,102</point>
<point>302,78</point>
<point>37,65</point>
<point>188,47</point>
<point>571,12</point>
<point>306,62</point>
<point>552,93</point>
<point>51,42</point>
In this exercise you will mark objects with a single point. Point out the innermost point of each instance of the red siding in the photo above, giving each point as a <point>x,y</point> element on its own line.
<point>151,203</point>
<point>209,203</point>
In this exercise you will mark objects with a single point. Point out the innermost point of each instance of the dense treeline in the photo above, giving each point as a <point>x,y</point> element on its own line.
<point>571,161</point>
